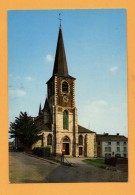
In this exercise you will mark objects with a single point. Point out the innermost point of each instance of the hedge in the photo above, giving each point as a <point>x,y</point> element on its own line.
<point>41,151</point>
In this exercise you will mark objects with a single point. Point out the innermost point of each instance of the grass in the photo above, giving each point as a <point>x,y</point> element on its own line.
<point>96,162</point>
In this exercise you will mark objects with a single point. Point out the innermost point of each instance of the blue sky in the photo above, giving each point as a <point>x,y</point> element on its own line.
<point>95,44</point>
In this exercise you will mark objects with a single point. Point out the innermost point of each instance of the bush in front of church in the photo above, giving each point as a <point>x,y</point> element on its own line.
<point>42,151</point>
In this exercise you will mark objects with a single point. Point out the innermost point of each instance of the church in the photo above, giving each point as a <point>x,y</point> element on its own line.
<point>58,118</point>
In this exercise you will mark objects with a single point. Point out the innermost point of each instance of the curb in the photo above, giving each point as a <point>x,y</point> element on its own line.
<point>49,161</point>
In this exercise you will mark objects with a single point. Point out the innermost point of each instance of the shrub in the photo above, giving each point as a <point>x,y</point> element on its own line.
<point>111,161</point>
<point>46,151</point>
<point>41,151</point>
<point>35,150</point>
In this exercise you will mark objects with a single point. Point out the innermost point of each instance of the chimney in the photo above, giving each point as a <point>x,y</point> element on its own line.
<point>106,134</point>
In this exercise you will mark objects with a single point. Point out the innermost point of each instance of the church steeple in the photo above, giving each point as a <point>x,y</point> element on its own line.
<point>40,110</point>
<point>60,63</point>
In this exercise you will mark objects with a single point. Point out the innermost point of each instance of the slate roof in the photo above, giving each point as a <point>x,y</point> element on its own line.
<point>84,130</point>
<point>60,64</point>
<point>45,127</point>
<point>40,110</point>
<point>107,137</point>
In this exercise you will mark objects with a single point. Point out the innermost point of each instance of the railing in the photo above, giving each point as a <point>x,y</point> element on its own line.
<point>60,158</point>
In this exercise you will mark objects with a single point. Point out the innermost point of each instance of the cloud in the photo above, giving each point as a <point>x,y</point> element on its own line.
<point>17,92</point>
<point>114,69</point>
<point>28,78</point>
<point>101,116</point>
<point>95,109</point>
<point>97,106</point>
<point>49,58</point>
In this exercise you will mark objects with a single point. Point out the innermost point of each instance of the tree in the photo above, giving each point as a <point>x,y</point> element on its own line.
<point>24,129</point>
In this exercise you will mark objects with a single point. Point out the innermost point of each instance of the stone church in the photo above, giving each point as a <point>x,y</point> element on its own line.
<point>58,119</point>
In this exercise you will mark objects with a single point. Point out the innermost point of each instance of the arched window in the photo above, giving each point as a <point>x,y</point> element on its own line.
<point>49,139</point>
<point>65,119</point>
<point>80,140</point>
<point>42,140</point>
<point>66,139</point>
<point>64,87</point>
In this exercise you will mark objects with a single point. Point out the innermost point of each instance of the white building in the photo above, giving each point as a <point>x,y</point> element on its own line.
<point>111,145</point>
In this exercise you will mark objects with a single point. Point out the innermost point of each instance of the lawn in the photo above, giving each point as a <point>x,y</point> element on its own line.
<point>96,162</point>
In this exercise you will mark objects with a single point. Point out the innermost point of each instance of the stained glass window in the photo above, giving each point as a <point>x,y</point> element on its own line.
<point>49,139</point>
<point>65,119</point>
<point>80,140</point>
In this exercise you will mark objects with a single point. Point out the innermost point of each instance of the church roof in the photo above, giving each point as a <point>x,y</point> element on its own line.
<point>44,127</point>
<point>46,105</point>
<point>84,130</point>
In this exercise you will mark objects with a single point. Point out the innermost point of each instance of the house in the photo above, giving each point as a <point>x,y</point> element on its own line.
<point>111,145</point>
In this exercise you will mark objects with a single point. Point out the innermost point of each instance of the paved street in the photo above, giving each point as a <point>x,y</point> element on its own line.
<point>27,169</point>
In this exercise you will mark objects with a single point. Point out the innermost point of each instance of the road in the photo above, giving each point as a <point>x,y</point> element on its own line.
<point>27,169</point>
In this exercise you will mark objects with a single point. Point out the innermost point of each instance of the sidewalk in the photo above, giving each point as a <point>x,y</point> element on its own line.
<point>77,161</point>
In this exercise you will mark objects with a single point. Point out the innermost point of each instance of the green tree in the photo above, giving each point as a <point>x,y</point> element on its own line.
<point>24,129</point>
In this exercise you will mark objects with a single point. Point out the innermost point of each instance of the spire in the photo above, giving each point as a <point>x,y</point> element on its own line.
<point>60,63</point>
<point>46,106</point>
<point>40,110</point>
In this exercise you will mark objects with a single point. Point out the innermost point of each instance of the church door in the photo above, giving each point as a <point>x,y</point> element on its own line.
<point>80,151</point>
<point>66,148</point>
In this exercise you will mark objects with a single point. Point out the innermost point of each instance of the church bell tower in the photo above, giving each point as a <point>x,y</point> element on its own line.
<point>61,101</point>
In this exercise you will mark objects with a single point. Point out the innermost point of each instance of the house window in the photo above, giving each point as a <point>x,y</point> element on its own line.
<point>107,149</point>
<point>118,143</point>
<point>118,155</point>
<point>107,155</point>
<point>118,149</point>
<point>65,119</point>
<point>98,143</point>
<point>109,143</point>
<point>80,140</point>
<point>64,87</point>
<point>125,149</point>
<point>49,139</point>
<point>124,143</point>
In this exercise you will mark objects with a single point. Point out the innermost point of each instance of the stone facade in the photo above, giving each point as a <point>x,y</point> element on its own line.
<point>58,120</point>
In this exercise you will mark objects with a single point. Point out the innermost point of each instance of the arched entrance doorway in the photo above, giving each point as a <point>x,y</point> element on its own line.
<point>66,145</point>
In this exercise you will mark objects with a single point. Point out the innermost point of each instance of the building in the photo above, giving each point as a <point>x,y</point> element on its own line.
<point>111,145</point>
<point>58,119</point>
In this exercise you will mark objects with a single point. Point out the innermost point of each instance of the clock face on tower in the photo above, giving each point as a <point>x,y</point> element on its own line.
<point>65,99</point>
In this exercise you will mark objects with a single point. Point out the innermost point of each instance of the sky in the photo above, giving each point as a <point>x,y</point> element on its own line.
<point>95,45</point>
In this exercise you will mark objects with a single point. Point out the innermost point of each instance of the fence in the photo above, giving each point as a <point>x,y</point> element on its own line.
<point>60,158</point>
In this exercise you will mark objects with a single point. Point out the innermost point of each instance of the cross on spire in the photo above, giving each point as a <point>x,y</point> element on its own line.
<point>60,19</point>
